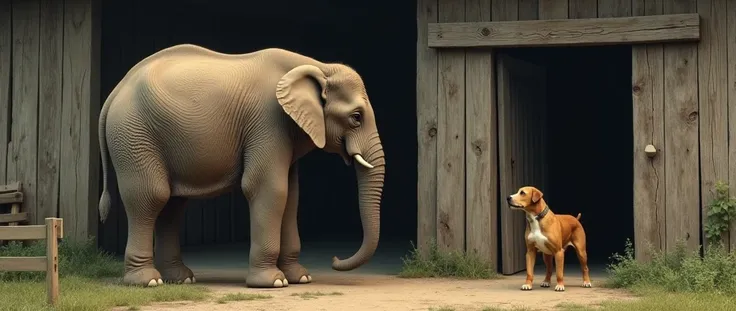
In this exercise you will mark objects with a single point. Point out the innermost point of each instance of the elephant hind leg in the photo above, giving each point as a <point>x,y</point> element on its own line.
<point>144,194</point>
<point>168,252</point>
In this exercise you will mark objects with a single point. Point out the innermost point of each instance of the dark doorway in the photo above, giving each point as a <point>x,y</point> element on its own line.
<point>379,41</point>
<point>589,141</point>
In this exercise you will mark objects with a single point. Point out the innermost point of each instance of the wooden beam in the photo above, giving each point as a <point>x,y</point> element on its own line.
<point>10,198</point>
<point>19,217</point>
<point>17,233</point>
<point>568,32</point>
<point>30,264</point>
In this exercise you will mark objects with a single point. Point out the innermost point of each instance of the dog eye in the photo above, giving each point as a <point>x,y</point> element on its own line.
<point>522,193</point>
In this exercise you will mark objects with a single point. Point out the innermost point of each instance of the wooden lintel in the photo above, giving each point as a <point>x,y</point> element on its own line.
<point>567,32</point>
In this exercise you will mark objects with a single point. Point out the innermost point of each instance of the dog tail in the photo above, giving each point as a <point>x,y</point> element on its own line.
<point>579,214</point>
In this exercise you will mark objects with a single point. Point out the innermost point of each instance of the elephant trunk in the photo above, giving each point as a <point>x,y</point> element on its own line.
<point>370,187</point>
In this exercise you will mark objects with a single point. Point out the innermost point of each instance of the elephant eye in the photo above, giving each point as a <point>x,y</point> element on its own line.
<point>356,118</point>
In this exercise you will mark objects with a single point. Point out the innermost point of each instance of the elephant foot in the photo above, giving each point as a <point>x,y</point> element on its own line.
<point>266,278</point>
<point>178,274</point>
<point>149,277</point>
<point>296,273</point>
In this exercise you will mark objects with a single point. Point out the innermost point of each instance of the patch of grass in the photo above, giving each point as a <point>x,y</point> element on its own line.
<point>312,295</point>
<point>75,258</point>
<point>438,263</point>
<point>441,309</point>
<point>82,268</point>
<point>677,271</point>
<point>658,299</point>
<point>242,297</point>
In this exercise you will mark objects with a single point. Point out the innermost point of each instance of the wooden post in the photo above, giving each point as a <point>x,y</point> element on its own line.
<point>53,227</point>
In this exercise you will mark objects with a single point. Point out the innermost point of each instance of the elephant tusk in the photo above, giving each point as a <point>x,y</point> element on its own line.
<point>362,161</point>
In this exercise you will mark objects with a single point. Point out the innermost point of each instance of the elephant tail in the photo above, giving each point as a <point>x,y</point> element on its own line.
<point>108,177</point>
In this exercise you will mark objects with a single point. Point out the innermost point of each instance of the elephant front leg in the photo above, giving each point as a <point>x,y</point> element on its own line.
<point>288,260</point>
<point>168,252</point>
<point>267,201</point>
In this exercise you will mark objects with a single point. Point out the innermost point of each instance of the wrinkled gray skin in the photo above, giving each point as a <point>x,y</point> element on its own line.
<point>188,122</point>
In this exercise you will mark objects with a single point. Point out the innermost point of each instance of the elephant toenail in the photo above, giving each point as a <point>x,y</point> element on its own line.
<point>303,279</point>
<point>187,281</point>
<point>309,278</point>
<point>278,283</point>
<point>160,282</point>
<point>152,283</point>
<point>286,282</point>
<point>194,280</point>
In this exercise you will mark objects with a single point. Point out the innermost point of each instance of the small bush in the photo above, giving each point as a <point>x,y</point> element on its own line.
<point>75,258</point>
<point>677,271</point>
<point>437,263</point>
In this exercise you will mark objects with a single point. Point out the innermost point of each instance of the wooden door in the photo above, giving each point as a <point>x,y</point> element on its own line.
<point>521,132</point>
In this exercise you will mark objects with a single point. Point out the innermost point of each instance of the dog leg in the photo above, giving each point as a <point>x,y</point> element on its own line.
<point>560,265</point>
<point>531,256</point>
<point>579,244</point>
<point>548,264</point>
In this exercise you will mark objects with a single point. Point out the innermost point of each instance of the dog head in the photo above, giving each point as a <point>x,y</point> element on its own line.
<point>527,198</point>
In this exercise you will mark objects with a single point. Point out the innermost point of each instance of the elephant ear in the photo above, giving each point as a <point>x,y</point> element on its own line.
<point>299,96</point>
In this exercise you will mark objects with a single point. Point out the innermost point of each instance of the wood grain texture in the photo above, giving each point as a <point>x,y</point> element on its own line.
<point>15,218</point>
<point>614,8</point>
<point>731,29</point>
<point>583,9</point>
<point>480,145</point>
<point>78,113</point>
<point>504,10</point>
<point>567,32</point>
<point>23,263</point>
<point>5,86</point>
<point>53,226</point>
<point>426,92</point>
<point>681,137</point>
<point>713,100</point>
<point>24,128</point>
<point>529,9</point>
<point>648,120</point>
<point>553,9</point>
<point>32,232</point>
<point>451,138</point>
<point>49,108</point>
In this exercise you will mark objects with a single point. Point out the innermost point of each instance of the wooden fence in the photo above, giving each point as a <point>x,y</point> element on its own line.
<point>51,232</point>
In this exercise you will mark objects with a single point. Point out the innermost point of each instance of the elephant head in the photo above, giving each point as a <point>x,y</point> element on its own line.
<point>331,105</point>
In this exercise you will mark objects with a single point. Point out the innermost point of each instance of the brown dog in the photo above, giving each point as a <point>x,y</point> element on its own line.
<point>550,234</point>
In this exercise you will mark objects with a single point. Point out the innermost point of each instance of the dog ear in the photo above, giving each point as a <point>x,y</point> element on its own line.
<point>536,195</point>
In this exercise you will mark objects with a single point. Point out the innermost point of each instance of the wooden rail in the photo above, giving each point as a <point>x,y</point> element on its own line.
<point>52,231</point>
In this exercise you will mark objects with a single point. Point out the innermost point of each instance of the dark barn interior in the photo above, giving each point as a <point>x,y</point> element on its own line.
<point>590,141</point>
<point>379,43</point>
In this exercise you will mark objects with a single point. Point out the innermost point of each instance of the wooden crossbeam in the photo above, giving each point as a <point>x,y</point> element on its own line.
<point>567,32</point>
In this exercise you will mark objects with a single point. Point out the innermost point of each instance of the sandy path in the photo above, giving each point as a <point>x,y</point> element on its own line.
<point>385,292</point>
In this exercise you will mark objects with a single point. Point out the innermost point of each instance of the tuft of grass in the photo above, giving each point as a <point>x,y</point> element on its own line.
<point>75,258</point>
<point>658,299</point>
<point>242,297</point>
<point>312,295</point>
<point>436,263</point>
<point>441,309</point>
<point>89,280</point>
<point>677,271</point>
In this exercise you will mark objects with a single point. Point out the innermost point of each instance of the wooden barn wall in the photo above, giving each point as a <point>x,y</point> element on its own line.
<point>49,104</point>
<point>683,97</point>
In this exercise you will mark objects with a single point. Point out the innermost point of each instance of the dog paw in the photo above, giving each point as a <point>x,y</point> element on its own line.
<point>559,288</point>
<point>544,284</point>
<point>526,287</point>
<point>587,285</point>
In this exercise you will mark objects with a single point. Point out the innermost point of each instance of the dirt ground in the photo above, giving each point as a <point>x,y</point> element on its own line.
<point>386,292</point>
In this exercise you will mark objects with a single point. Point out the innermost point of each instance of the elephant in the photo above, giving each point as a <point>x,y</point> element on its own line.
<point>190,122</point>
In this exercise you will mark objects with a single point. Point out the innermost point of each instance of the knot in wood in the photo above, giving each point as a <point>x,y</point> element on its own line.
<point>636,89</point>
<point>476,149</point>
<point>432,132</point>
<point>485,32</point>
<point>692,116</point>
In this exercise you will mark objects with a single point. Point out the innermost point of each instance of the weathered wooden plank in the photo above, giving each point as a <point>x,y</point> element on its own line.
<point>568,32</point>
<point>80,108</point>
<point>23,263</point>
<point>529,10</point>
<point>11,197</point>
<point>681,137</point>
<point>583,9</point>
<point>648,120</point>
<point>11,187</point>
<point>731,25</point>
<point>24,128</point>
<point>5,86</point>
<point>32,232</point>
<point>552,9</point>
<point>49,108</point>
<point>713,100</point>
<point>504,10</point>
<point>480,144</point>
<point>451,139</point>
<point>19,217</point>
<point>53,226</point>
<point>614,8</point>
<point>426,127</point>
